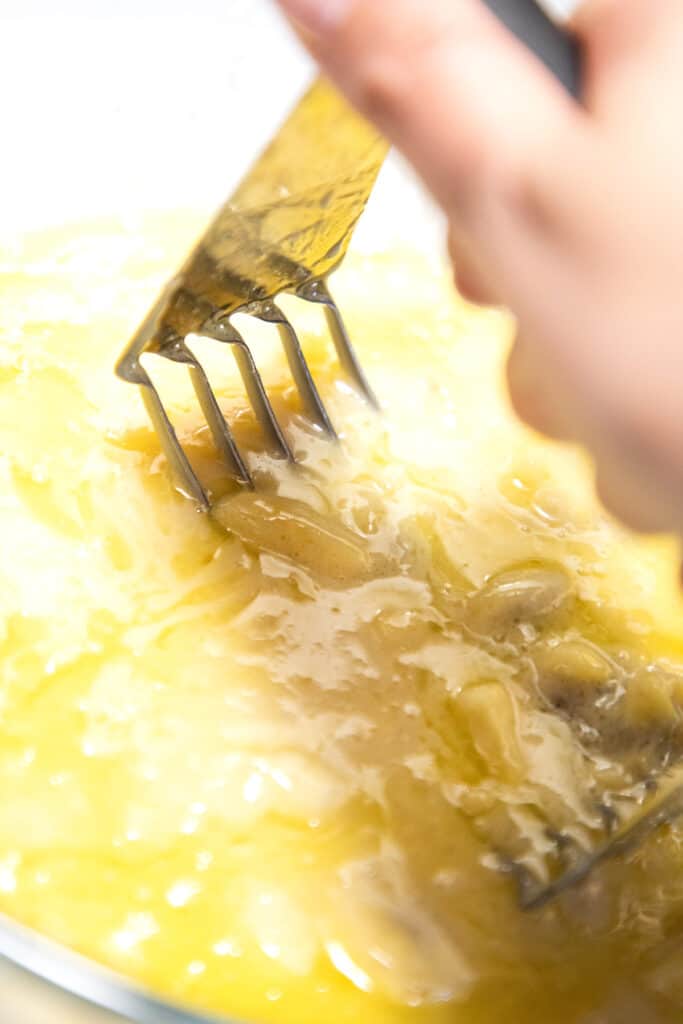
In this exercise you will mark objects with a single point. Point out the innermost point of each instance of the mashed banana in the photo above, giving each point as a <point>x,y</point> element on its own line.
<point>291,763</point>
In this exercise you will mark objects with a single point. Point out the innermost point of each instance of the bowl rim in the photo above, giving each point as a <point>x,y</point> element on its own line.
<point>85,981</point>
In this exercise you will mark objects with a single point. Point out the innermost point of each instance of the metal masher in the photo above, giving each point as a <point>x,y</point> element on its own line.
<point>286,229</point>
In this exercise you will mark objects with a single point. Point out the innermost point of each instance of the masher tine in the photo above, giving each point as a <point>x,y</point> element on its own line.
<point>664,809</point>
<point>173,450</point>
<point>130,369</point>
<point>223,330</point>
<point>569,851</point>
<point>290,221</point>
<point>220,431</point>
<point>609,816</point>
<point>317,290</point>
<point>271,313</point>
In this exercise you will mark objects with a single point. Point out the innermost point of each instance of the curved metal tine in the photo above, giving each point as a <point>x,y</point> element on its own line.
<point>223,330</point>
<point>666,807</point>
<point>173,450</point>
<point>569,851</point>
<point>529,889</point>
<point>130,369</point>
<point>220,431</point>
<point>270,313</point>
<point>609,816</point>
<point>318,291</point>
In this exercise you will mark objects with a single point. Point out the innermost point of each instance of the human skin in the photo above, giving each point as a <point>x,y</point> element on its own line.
<point>569,214</point>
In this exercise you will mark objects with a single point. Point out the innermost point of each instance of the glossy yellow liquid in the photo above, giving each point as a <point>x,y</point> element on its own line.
<point>270,765</point>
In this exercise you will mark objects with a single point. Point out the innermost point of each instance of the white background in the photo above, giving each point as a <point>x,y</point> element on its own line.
<point>121,106</point>
<point>115,105</point>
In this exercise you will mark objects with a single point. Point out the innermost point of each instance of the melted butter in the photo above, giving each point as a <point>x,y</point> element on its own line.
<point>269,763</point>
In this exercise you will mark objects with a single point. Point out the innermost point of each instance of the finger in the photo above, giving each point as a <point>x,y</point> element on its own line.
<point>447,83</point>
<point>633,494</point>
<point>535,393</point>
<point>471,279</point>
<point>470,286</point>
<point>631,47</point>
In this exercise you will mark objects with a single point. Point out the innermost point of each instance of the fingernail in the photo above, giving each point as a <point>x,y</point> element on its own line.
<point>317,16</point>
<point>560,10</point>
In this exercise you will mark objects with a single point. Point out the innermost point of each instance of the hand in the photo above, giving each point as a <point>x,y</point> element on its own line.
<point>570,215</point>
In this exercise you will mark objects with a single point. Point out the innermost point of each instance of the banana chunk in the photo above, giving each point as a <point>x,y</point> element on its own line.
<point>292,530</point>
<point>529,594</point>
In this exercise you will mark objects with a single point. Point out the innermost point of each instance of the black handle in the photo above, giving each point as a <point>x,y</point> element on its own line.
<point>556,49</point>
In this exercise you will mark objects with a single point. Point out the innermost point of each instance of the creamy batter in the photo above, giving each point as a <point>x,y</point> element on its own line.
<point>274,763</point>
